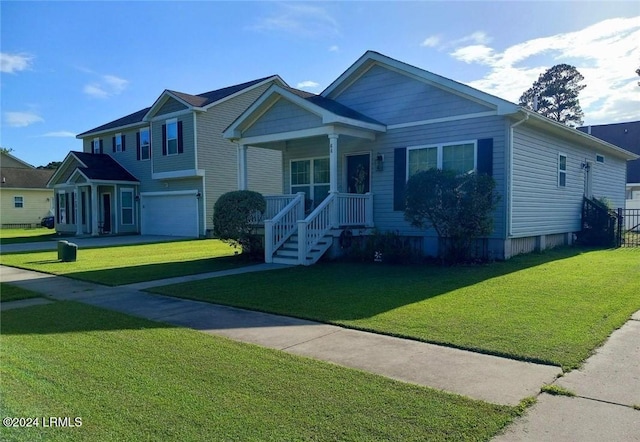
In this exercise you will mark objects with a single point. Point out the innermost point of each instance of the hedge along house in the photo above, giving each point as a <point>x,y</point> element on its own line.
<point>160,170</point>
<point>348,152</point>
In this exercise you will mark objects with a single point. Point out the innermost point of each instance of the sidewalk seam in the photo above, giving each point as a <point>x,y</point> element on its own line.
<point>310,340</point>
<point>604,401</point>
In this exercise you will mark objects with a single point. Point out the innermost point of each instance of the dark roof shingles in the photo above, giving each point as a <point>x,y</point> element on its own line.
<point>102,167</point>
<point>20,177</point>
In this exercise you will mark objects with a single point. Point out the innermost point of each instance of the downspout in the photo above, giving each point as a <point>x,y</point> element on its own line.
<point>510,175</point>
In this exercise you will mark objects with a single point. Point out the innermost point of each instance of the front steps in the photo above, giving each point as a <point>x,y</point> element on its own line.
<point>288,252</point>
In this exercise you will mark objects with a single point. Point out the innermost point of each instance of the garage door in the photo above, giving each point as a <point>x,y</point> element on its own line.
<point>167,214</point>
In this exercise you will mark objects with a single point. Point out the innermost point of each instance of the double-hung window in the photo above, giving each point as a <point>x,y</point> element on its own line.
<point>118,143</point>
<point>95,145</point>
<point>458,157</point>
<point>18,202</point>
<point>172,137</point>
<point>144,144</point>
<point>562,170</point>
<point>126,201</point>
<point>311,176</point>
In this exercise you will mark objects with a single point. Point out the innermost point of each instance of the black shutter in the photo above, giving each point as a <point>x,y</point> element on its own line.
<point>101,146</point>
<point>399,178</point>
<point>180,144</point>
<point>113,144</point>
<point>138,146</point>
<point>123,147</point>
<point>164,139</point>
<point>485,156</point>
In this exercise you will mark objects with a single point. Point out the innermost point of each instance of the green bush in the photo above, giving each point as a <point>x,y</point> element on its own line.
<point>234,216</point>
<point>458,207</point>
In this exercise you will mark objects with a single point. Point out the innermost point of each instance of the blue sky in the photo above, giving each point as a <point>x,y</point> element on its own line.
<point>67,67</point>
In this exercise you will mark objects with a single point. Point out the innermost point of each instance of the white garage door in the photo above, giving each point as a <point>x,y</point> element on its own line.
<point>167,214</point>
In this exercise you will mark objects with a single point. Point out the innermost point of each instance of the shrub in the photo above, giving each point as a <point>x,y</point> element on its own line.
<point>233,220</point>
<point>458,207</point>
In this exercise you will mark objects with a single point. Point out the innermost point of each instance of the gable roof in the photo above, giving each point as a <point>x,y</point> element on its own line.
<point>207,99</point>
<point>94,167</point>
<point>24,178</point>
<point>199,101</point>
<point>6,159</point>
<point>372,58</point>
<point>328,110</point>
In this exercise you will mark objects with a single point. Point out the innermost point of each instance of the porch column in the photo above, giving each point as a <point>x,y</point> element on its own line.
<point>333,163</point>
<point>94,210</point>
<point>79,203</point>
<point>242,167</point>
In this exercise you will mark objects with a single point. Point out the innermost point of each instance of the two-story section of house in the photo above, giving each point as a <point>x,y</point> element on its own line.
<point>159,171</point>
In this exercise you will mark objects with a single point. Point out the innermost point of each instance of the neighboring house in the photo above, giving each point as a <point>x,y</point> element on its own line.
<point>626,136</point>
<point>24,196</point>
<point>160,170</point>
<point>350,150</point>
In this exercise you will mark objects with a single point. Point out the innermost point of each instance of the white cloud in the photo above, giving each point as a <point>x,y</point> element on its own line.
<point>107,86</point>
<point>22,119</point>
<point>60,134</point>
<point>334,48</point>
<point>301,19</point>
<point>606,54</point>
<point>11,63</point>
<point>307,85</point>
<point>431,42</point>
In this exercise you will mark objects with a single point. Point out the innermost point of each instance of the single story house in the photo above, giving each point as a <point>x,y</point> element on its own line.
<point>24,196</point>
<point>626,136</point>
<point>348,152</point>
<point>161,169</point>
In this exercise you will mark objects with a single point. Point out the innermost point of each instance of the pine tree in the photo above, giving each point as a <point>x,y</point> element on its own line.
<point>555,95</point>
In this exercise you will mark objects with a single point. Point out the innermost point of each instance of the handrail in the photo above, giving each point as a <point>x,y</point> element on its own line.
<point>282,226</point>
<point>315,226</point>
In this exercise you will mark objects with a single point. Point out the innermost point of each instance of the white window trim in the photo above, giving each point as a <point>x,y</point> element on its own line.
<point>133,206</point>
<point>167,123</point>
<point>118,146</point>
<point>440,148</point>
<point>560,171</point>
<point>21,202</point>
<point>94,143</point>
<point>148,130</point>
<point>311,181</point>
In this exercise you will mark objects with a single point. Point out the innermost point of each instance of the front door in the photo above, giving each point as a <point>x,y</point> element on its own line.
<point>106,213</point>
<point>359,173</point>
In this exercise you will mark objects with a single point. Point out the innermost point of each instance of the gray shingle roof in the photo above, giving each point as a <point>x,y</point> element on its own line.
<point>199,100</point>
<point>20,177</point>
<point>103,167</point>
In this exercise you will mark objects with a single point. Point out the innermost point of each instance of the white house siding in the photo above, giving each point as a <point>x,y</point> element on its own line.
<point>540,206</point>
<point>392,98</point>
<point>219,157</point>
<point>283,116</point>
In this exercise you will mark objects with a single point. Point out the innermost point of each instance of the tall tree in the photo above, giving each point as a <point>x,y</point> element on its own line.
<point>555,95</point>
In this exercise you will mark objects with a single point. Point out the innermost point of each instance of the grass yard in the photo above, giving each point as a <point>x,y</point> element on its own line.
<point>12,293</point>
<point>133,263</point>
<point>13,236</point>
<point>555,307</point>
<point>133,379</point>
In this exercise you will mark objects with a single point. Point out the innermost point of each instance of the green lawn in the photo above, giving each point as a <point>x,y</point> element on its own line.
<point>555,307</point>
<point>133,263</point>
<point>12,293</point>
<point>133,379</point>
<point>13,236</point>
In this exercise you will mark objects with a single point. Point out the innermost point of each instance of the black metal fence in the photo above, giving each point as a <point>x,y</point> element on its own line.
<point>628,228</point>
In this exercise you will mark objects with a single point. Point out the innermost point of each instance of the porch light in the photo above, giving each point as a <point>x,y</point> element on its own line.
<point>198,195</point>
<point>379,162</point>
<point>137,198</point>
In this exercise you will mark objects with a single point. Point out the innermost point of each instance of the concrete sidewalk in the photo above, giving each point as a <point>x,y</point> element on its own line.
<point>489,378</point>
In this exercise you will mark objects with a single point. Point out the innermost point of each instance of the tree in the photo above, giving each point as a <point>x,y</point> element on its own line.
<point>555,95</point>
<point>51,165</point>
<point>233,216</point>
<point>458,207</point>
<point>6,149</point>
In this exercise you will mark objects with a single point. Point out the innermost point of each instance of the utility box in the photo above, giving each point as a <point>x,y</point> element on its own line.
<point>67,252</point>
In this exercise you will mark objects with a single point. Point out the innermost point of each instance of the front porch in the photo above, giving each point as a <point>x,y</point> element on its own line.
<point>294,237</point>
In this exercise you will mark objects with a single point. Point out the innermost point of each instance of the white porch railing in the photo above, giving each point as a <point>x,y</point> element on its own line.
<point>337,210</point>
<point>281,226</point>
<point>275,204</point>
